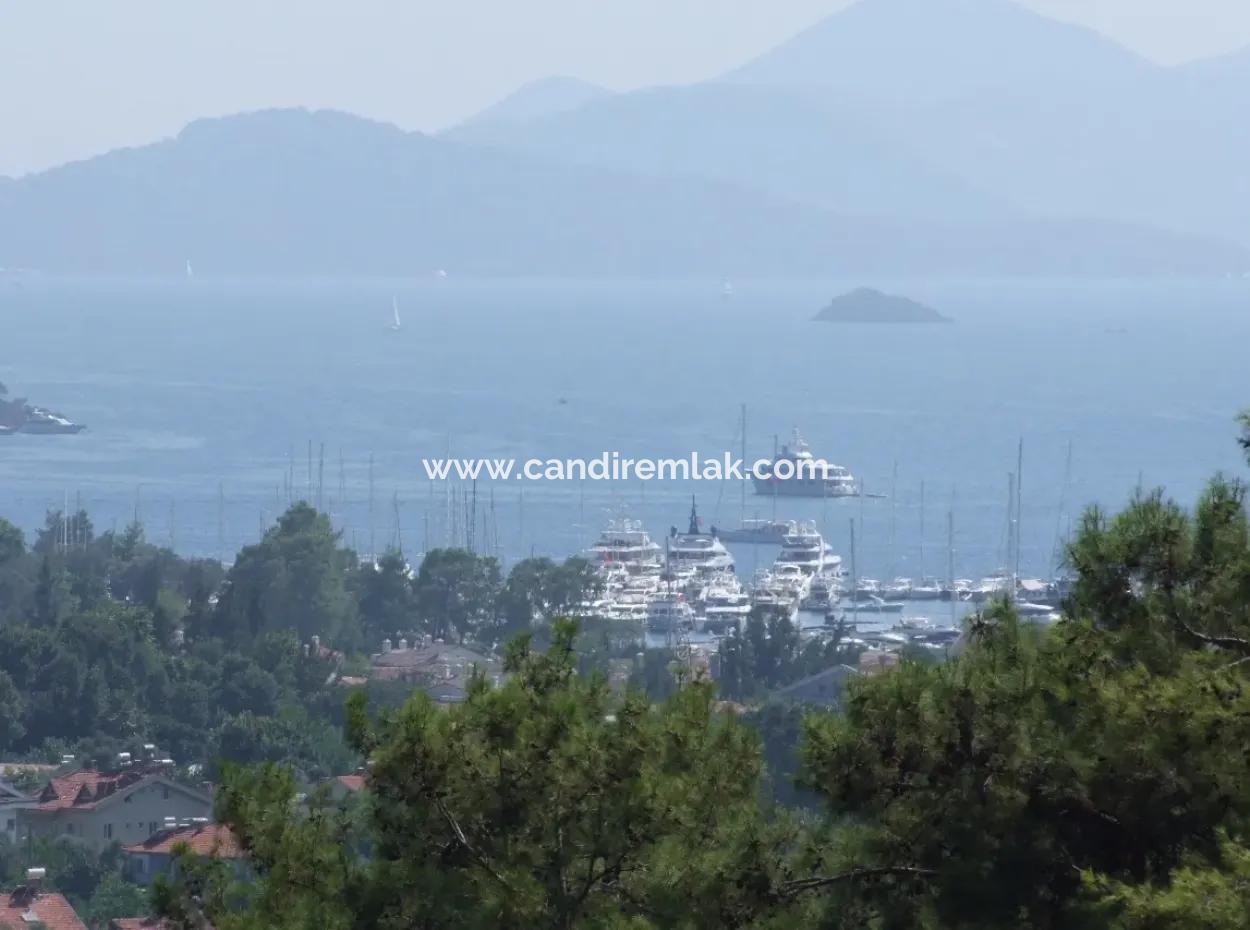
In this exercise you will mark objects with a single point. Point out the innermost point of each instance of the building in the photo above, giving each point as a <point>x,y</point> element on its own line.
<point>30,906</point>
<point>12,800</point>
<point>142,862</point>
<point>441,670</point>
<point>824,688</point>
<point>341,787</point>
<point>123,806</point>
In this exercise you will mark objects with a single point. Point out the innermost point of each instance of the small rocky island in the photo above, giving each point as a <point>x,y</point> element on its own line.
<point>866,305</point>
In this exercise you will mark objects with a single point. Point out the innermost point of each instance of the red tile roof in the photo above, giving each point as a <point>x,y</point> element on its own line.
<point>83,790</point>
<point>351,782</point>
<point>207,839</point>
<point>139,923</point>
<point>48,908</point>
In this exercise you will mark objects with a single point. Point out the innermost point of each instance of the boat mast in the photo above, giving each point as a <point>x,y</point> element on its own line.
<point>854,578</point>
<point>1011,522</point>
<point>321,476</point>
<point>950,560</point>
<point>742,517</point>
<point>1019,502</point>
<point>922,528</point>
<point>1056,549</point>
<point>221,523</point>
<point>373,552</point>
<point>893,519</point>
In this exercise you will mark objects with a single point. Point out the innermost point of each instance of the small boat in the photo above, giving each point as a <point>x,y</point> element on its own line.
<point>396,323</point>
<point>898,589</point>
<point>877,605</point>
<point>927,589</point>
<point>48,422</point>
<point>759,532</point>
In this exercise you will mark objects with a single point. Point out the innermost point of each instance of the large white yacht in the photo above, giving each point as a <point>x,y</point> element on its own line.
<point>697,551</point>
<point>625,544</point>
<point>795,472</point>
<point>805,548</point>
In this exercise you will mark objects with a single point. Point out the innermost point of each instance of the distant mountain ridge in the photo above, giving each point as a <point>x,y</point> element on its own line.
<point>544,97</point>
<point>294,192</point>
<point>786,144</point>
<point>940,49</point>
<point>957,110</point>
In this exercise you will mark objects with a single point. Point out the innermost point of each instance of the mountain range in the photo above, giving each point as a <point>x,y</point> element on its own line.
<point>896,137</point>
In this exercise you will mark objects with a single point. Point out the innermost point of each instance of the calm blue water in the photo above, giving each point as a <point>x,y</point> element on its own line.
<point>188,386</point>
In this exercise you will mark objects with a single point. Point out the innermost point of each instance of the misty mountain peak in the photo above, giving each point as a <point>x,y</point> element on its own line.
<point>935,49</point>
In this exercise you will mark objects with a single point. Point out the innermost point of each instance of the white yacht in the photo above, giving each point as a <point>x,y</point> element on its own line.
<point>697,551</point>
<point>770,593</point>
<point>795,472</point>
<point>822,594</point>
<point>724,601</point>
<point>807,549</point>
<point>928,589</point>
<point>627,545</point>
<point>669,613</point>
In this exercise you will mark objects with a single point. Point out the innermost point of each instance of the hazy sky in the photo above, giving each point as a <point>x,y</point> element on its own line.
<point>78,77</point>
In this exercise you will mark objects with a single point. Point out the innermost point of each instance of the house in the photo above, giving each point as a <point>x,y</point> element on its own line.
<point>142,862</point>
<point>824,688</point>
<point>344,786</point>
<point>12,799</point>
<point>441,670</point>
<point>30,906</point>
<point>139,923</point>
<point>126,805</point>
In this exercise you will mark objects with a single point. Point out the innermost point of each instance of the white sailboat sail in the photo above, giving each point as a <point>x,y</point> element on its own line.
<point>396,322</point>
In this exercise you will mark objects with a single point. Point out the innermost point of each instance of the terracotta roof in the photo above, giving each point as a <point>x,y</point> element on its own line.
<point>20,908</point>
<point>85,789</point>
<point>351,782</point>
<point>139,923</point>
<point>206,839</point>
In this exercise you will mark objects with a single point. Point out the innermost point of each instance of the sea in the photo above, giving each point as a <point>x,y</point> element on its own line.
<point>211,403</point>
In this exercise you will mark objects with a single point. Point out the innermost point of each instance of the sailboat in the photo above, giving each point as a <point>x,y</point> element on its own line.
<point>396,323</point>
<point>190,270</point>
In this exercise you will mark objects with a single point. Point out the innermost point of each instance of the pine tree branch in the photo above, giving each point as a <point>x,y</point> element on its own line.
<point>799,886</point>
<point>468,847</point>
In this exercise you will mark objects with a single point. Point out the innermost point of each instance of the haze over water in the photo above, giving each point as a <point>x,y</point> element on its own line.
<point>186,385</point>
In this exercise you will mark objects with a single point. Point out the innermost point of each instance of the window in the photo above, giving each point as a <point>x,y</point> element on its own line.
<point>153,826</point>
<point>108,831</point>
<point>165,792</point>
<point>12,825</point>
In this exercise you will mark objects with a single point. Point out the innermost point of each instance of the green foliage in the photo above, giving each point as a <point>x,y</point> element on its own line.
<point>92,882</point>
<point>539,589</point>
<point>456,593</point>
<point>1200,895</point>
<point>12,542</point>
<point>768,654</point>
<point>541,803</point>
<point>293,579</point>
<point>385,598</point>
